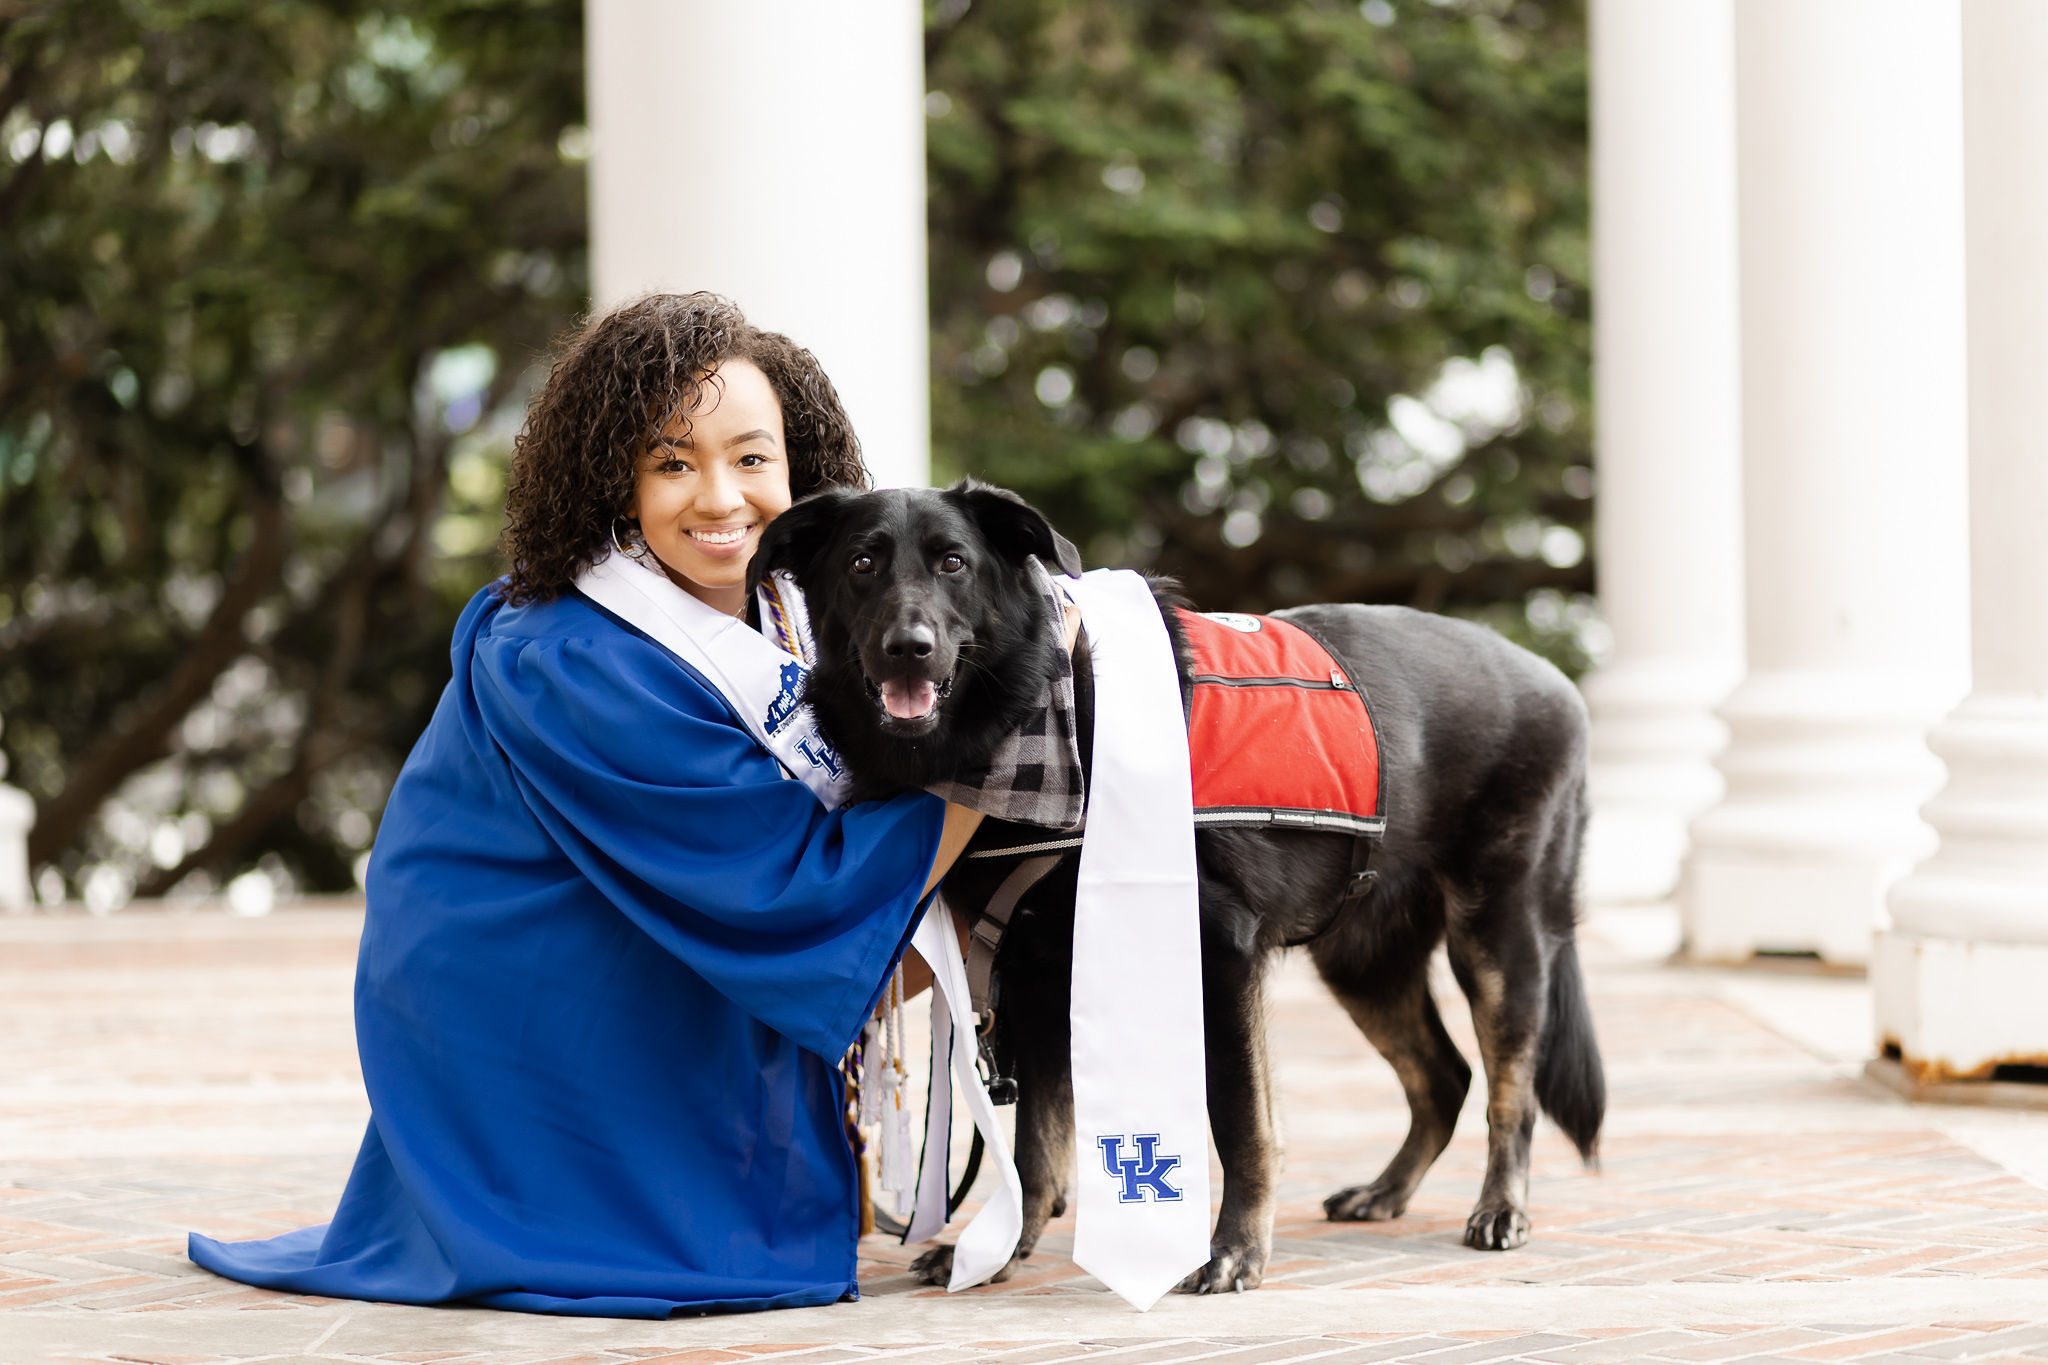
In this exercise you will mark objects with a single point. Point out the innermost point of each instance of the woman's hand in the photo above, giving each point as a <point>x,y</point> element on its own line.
<point>959,828</point>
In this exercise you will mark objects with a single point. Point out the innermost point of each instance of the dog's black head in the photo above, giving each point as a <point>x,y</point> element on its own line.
<point>933,642</point>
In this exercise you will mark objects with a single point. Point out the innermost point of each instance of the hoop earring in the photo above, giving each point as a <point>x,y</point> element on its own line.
<point>634,550</point>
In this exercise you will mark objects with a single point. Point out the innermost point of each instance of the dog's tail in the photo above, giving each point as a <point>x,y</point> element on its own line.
<point>1571,1084</point>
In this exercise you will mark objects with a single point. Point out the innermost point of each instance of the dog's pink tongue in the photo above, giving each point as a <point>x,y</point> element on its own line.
<point>909,699</point>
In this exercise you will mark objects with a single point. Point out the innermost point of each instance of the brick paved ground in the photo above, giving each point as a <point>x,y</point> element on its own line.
<point>1758,1200</point>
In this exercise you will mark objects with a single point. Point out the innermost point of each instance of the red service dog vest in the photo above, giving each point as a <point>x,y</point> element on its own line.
<point>1278,733</point>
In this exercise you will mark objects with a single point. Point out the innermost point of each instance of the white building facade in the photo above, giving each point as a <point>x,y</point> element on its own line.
<point>773,152</point>
<point>1667,393</point>
<point>1893,510</point>
<point>1957,974</point>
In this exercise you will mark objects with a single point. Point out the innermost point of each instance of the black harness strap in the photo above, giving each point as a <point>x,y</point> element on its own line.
<point>987,934</point>
<point>1357,887</point>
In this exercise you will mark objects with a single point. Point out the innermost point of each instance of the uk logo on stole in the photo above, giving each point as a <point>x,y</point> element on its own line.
<point>1141,1174</point>
<point>820,754</point>
<point>783,709</point>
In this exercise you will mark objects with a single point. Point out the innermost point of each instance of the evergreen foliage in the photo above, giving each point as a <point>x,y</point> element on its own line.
<point>270,279</point>
<point>1284,297</point>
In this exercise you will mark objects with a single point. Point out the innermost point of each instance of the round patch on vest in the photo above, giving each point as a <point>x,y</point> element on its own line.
<point>1247,625</point>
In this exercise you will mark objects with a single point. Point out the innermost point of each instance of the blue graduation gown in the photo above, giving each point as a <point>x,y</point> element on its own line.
<point>610,959</point>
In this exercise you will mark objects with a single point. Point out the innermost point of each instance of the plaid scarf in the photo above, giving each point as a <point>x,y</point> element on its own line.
<point>1035,776</point>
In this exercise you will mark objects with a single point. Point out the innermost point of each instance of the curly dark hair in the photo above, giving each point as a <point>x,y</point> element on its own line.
<point>617,381</point>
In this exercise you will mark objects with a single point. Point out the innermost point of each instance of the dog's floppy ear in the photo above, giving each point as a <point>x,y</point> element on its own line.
<point>1014,526</point>
<point>794,540</point>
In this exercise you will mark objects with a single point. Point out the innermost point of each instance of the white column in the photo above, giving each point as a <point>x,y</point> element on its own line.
<point>17,817</point>
<point>1849,147</point>
<point>773,151</point>
<point>1668,422</point>
<point>1958,983</point>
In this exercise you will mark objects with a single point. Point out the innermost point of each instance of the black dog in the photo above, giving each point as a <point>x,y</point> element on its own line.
<point>933,645</point>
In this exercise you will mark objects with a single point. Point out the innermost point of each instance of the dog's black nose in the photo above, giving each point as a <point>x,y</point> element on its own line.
<point>909,642</point>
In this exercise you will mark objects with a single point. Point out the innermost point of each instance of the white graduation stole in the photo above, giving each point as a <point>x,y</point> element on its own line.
<point>1141,1119</point>
<point>763,681</point>
<point>986,1244</point>
<point>1141,1122</point>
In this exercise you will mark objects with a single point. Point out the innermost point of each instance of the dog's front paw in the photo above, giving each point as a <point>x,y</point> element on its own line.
<point>1374,1203</point>
<point>1496,1229</point>
<point>1231,1270</point>
<point>936,1267</point>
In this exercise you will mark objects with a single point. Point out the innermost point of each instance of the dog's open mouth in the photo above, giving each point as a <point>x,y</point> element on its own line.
<point>909,700</point>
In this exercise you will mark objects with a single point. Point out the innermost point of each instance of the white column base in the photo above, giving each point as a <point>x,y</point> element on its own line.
<point>1735,904</point>
<point>1989,881</point>
<point>1954,1009</point>
<point>1655,735</point>
<point>1825,771</point>
<point>1632,856</point>
<point>17,816</point>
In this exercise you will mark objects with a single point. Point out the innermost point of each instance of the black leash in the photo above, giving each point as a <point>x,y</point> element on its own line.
<point>884,1223</point>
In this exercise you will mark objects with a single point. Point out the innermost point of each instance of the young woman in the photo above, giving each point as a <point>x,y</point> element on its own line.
<point>613,951</point>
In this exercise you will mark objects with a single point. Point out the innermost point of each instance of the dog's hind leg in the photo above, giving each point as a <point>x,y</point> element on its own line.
<point>1240,1113</point>
<point>1500,960</point>
<point>1039,1022</point>
<point>1403,1023</point>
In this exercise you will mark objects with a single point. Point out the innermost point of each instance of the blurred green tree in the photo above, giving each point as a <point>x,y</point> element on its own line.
<point>1286,298</point>
<point>271,280</point>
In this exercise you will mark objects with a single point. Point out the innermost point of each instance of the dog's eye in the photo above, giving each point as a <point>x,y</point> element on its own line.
<point>863,564</point>
<point>952,564</point>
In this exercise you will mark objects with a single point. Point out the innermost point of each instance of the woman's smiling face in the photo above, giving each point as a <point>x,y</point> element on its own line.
<point>710,481</point>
